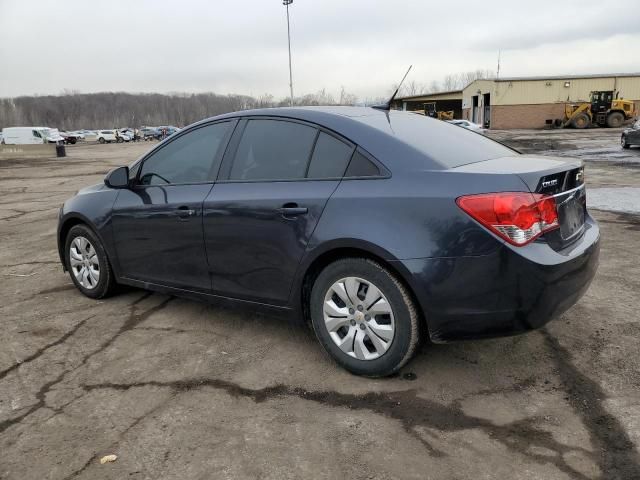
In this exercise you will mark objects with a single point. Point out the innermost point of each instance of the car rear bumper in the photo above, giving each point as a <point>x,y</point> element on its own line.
<point>507,292</point>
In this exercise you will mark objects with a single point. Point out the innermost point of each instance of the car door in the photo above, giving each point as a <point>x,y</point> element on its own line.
<point>275,181</point>
<point>157,223</point>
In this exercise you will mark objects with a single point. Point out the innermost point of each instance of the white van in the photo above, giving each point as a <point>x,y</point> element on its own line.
<point>30,135</point>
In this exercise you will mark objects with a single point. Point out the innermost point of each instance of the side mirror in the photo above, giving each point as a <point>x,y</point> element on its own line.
<point>117,178</point>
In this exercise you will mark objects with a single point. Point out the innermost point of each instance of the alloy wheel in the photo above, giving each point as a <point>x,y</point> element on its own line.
<point>359,318</point>
<point>84,262</point>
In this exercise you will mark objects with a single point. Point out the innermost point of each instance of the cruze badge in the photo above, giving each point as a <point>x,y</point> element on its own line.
<point>550,183</point>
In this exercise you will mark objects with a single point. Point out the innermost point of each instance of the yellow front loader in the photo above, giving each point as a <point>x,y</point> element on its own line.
<point>430,111</point>
<point>603,110</point>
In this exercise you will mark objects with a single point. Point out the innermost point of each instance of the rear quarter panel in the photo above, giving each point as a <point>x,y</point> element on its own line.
<point>413,215</point>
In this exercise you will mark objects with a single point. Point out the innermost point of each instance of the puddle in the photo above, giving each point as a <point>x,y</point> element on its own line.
<point>617,199</point>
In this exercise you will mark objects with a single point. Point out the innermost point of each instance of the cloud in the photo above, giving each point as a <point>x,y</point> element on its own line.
<point>363,45</point>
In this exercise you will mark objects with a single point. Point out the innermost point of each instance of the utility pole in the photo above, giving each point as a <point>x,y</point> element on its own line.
<point>286,3</point>
<point>498,72</point>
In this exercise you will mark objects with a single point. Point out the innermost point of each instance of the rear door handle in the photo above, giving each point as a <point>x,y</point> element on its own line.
<point>291,209</point>
<point>185,212</point>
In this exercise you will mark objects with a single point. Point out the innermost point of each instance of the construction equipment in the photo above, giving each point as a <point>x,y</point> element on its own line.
<point>430,111</point>
<point>602,110</point>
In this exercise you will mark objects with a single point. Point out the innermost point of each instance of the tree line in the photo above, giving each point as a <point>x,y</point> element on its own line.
<point>74,110</point>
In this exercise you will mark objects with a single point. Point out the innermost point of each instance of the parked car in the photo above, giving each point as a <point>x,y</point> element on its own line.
<point>108,136</point>
<point>70,137</point>
<point>373,226</point>
<point>631,135</point>
<point>30,135</point>
<point>166,130</point>
<point>149,133</point>
<point>468,125</point>
<point>128,134</point>
<point>79,134</point>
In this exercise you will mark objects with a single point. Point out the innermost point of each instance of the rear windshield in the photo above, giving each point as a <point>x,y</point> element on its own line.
<point>445,143</point>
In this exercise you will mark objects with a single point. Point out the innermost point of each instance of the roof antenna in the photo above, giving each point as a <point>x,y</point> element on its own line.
<point>387,106</point>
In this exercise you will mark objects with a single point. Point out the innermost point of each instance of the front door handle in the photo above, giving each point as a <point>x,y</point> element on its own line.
<point>292,209</point>
<point>185,212</point>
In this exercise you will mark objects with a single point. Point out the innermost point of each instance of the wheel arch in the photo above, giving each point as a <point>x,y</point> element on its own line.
<point>66,225</point>
<point>314,263</point>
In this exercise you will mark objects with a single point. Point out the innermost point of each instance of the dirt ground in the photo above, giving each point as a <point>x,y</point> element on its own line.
<point>180,390</point>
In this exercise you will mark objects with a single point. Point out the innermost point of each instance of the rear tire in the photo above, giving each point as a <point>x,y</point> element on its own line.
<point>83,249</point>
<point>615,120</point>
<point>580,121</point>
<point>349,336</point>
<point>101,140</point>
<point>623,142</point>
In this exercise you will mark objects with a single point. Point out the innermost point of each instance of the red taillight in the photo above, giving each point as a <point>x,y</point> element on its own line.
<point>518,217</point>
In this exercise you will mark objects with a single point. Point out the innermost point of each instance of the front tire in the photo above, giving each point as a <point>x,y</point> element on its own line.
<point>101,140</point>
<point>581,121</point>
<point>87,263</point>
<point>615,120</point>
<point>364,317</point>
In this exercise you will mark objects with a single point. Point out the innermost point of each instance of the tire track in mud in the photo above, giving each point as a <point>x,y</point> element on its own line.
<point>615,452</point>
<point>405,406</point>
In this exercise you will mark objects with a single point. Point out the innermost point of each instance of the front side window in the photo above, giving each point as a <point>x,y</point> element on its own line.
<point>273,150</point>
<point>187,159</point>
<point>330,157</point>
<point>36,134</point>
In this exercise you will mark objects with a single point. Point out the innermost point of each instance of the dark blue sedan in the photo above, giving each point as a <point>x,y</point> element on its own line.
<point>377,227</point>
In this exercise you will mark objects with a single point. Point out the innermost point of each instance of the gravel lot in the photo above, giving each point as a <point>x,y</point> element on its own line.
<point>181,390</point>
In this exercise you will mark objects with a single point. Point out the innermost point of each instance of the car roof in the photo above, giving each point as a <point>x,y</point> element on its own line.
<point>394,137</point>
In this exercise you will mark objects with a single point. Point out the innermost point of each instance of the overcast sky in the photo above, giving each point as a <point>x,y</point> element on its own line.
<point>240,46</point>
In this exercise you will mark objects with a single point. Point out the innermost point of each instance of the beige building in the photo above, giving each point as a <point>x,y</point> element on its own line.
<point>445,101</point>
<point>534,102</point>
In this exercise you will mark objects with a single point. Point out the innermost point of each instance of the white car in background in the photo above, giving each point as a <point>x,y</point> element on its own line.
<point>108,136</point>
<point>468,125</point>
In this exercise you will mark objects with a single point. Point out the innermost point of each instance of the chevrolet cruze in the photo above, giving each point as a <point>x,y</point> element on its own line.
<point>376,227</point>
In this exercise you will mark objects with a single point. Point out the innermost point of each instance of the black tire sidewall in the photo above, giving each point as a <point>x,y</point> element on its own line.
<point>617,123</point>
<point>105,281</point>
<point>392,359</point>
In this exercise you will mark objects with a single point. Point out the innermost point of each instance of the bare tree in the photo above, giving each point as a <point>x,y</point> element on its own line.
<point>74,110</point>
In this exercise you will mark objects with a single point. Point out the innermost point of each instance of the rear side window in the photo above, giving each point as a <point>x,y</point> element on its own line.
<point>273,150</point>
<point>330,157</point>
<point>187,159</point>
<point>361,166</point>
